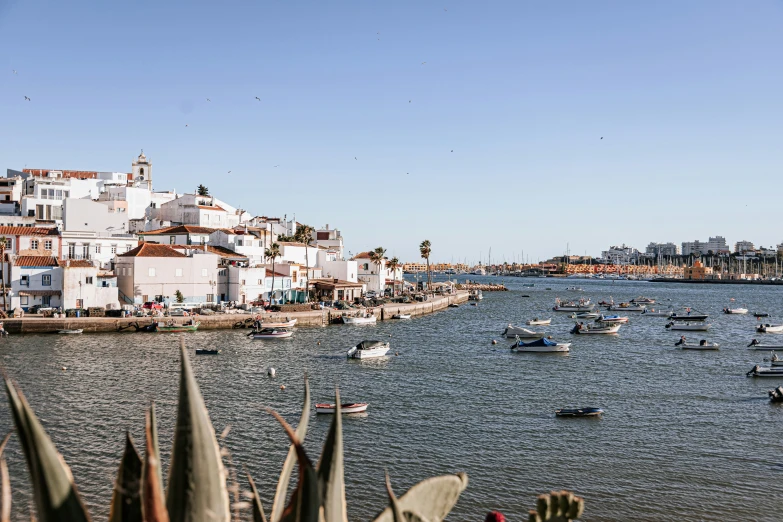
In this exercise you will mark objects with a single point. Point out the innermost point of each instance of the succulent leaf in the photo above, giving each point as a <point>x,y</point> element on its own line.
<point>305,500</point>
<point>197,483</point>
<point>153,504</point>
<point>5,484</point>
<point>330,471</point>
<point>54,492</point>
<point>431,499</point>
<point>126,499</point>
<point>278,504</point>
<point>258,508</point>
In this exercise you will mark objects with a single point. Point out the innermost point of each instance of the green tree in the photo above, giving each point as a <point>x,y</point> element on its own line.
<point>179,297</point>
<point>201,190</point>
<point>272,253</point>
<point>425,248</point>
<point>304,234</point>
<point>393,265</point>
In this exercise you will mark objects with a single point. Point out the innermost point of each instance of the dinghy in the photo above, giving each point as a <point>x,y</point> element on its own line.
<point>770,328</point>
<point>71,332</point>
<point>289,323</point>
<point>351,407</point>
<point>585,316</point>
<point>652,312</point>
<point>611,319</point>
<point>581,329</point>
<point>512,331</point>
<point>539,322</point>
<point>774,360</point>
<point>178,328</point>
<point>688,316</point>
<point>627,307</point>
<point>756,345</point>
<point>540,346</point>
<point>401,316</point>
<point>703,345</point>
<point>760,314</point>
<point>759,371</point>
<point>362,319</point>
<point>271,333</point>
<point>579,412</point>
<point>689,327</point>
<point>735,311</point>
<point>368,349</point>
<point>643,300</point>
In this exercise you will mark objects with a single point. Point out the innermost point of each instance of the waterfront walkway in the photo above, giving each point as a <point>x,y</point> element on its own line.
<point>40,325</point>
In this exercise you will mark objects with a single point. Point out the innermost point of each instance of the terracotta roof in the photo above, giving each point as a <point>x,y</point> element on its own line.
<point>36,261</point>
<point>179,229</point>
<point>77,263</point>
<point>362,255</point>
<point>39,292</point>
<point>219,250</point>
<point>152,250</point>
<point>28,231</point>
<point>291,243</point>
<point>79,174</point>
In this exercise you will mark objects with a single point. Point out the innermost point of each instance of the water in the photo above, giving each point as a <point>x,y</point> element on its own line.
<point>685,435</point>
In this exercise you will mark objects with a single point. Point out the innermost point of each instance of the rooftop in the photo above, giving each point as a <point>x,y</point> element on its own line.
<point>179,229</point>
<point>28,231</point>
<point>36,261</point>
<point>152,250</point>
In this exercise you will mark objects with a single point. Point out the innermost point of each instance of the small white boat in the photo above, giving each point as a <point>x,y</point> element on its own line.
<point>583,305</point>
<point>362,319</point>
<point>611,319</point>
<point>755,345</point>
<point>735,311</point>
<point>774,360</point>
<point>285,324</point>
<point>585,316</point>
<point>595,329</point>
<point>643,300</point>
<point>652,312</point>
<point>272,333</point>
<point>703,345</point>
<point>512,332</point>
<point>71,332</point>
<point>352,407</point>
<point>627,307</point>
<point>759,371</point>
<point>574,289</point>
<point>539,322</point>
<point>689,327</point>
<point>401,316</point>
<point>540,346</point>
<point>769,328</point>
<point>368,349</point>
<point>475,295</point>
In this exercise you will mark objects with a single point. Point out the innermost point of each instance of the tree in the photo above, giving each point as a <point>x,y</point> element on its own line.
<point>3,241</point>
<point>393,265</point>
<point>201,190</point>
<point>425,248</point>
<point>304,234</point>
<point>179,297</point>
<point>272,252</point>
<point>376,256</point>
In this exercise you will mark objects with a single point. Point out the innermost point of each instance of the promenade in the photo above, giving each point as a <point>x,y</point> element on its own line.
<point>42,325</point>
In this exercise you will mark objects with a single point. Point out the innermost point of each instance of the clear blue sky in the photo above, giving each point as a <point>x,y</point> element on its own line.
<point>687,96</point>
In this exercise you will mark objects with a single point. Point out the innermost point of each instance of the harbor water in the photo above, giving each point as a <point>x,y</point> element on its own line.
<point>685,434</point>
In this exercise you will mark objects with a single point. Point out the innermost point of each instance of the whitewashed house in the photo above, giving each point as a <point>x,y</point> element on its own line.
<point>331,239</point>
<point>245,284</point>
<point>298,253</point>
<point>373,275</point>
<point>178,235</point>
<point>93,246</point>
<point>191,209</point>
<point>83,288</point>
<point>35,280</point>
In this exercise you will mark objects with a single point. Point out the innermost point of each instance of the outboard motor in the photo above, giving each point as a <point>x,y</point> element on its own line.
<point>752,371</point>
<point>753,342</point>
<point>680,342</point>
<point>669,325</point>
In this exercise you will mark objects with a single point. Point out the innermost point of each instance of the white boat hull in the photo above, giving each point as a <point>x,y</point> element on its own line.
<point>287,324</point>
<point>279,335</point>
<point>770,328</point>
<point>560,347</point>
<point>358,407</point>
<point>766,347</point>
<point>709,346</point>
<point>359,320</point>
<point>539,322</point>
<point>657,314</point>
<point>401,316</point>
<point>599,330</point>
<point>380,351</point>
<point>70,332</point>
<point>632,308</point>
<point>512,332</point>
<point>735,311</point>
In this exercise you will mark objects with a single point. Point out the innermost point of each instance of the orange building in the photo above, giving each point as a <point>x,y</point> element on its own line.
<point>697,271</point>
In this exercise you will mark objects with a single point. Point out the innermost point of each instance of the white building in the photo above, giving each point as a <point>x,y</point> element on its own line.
<point>371,274</point>
<point>662,249</point>
<point>331,239</point>
<point>94,246</point>
<point>11,195</point>
<point>298,253</point>
<point>741,247</point>
<point>83,215</point>
<point>137,199</point>
<point>620,255</point>
<point>178,235</point>
<point>334,268</point>
<point>244,284</point>
<point>35,280</point>
<point>83,288</point>
<point>247,241</point>
<point>191,209</point>
<point>717,244</point>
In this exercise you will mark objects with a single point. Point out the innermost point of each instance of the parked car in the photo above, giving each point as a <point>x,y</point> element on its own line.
<point>370,295</point>
<point>177,312</point>
<point>152,305</point>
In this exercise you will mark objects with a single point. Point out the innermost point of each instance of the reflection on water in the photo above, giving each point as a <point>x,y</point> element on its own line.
<point>685,434</point>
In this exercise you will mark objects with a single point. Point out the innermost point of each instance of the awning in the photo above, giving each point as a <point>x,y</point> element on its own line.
<point>39,292</point>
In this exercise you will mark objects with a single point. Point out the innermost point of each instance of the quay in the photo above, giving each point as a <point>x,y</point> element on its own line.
<point>46,325</point>
<point>717,281</point>
<point>484,287</point>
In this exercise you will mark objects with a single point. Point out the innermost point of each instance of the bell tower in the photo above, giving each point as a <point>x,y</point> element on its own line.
<point>142,172</point>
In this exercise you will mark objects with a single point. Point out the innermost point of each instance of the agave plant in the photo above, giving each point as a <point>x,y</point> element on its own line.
<point>196,489</point>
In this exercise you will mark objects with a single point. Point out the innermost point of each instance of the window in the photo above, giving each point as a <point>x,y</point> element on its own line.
<point>293,276</point>
<point>34,244</point>
<point>204,272</point>
<point>114,249</point>
<point>65,193</point>
<point>23,300</point>
<point>39,212</point>
<point>59,194</point>
<point>178,272</point>
<point>9,243</point>
<point>88,280</point>
<point>210,298</point>
<point>128,248</point>
<point>47,245</point>
<point>260,282</point>
<point>46,280</point>
<point>71,251</point>
<point>151,272</point>
<point>86,251</point>
<point>242,282</point>
<point>366,266</point>
<point>172,240</point>
<point>46,300</point>
<point>24,280</point>
<point>97,248</point>
<point>239,242</point>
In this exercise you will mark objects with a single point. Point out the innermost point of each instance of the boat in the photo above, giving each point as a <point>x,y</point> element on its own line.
<point>703,345</point>
<point>583,305</point>
<point>540,346</point>
<point>362,319</point>
<point>178,328</point>
<point>769,328</point>
<point>285,324</point>
<point>688,316</point>
<point>642,300</point>
<point>735,311</point>
<point>528,285</point>
<point>73,331</point>
<point>401,316</point>
<point>611,319</point>
<point>475,295</point>
<point>512,331</point>
<point>205,351</point>
<point>581,328</point>
<point>760,371</point>
<point>756,345</point>
<point>349,407</point>
<point>575,289</point>
<point>271,333</point>
<point>627,307</point>
<point>610,302</point>
<point>691,327</point>
<point>652,312</point>
<point>539,322</point>
<point>453,305</point>
<point>579,412</point>
<point>776,395</point>
<point>760,314</point>
<point>368,349</point>
<point>774,360</point>
<point>585,316</point>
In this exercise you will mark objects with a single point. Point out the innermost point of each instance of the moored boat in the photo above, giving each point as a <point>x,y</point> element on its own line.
<point>475,295</point>
<point>652,312</point>
<point>703,345</point>
<point>642,300</point>
<point>368,349</point>
<point>688,316</point>
<point>73,331</point>
<point>760,371</point>
<point>774,360</point>
<point>178,328</point>
<point>401,316</point>
<point>756,345</point>
<point>735,311</point>
<point>770,328</point>
<point>579,412</point>
<point>627,307</point>
<point>760,314</point>
<point>540,346</point>
<point>539,322</point>
<point>206,351</point>
<point>611,319</point>
<point>581,328</point>
<point>512,331</point>
<point>271,333</point>
<point>583,305</point>
<point>688,327</point>
<point>349,407</point>
<point>280,324</point>
<point>585,316</point>
<point>361,319</point>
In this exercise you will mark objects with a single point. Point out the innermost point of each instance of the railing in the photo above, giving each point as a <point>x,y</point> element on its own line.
<point>124,298</point>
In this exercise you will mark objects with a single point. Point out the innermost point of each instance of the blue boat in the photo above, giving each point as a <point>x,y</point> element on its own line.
<point>579,412</point>
<point>542,345</point>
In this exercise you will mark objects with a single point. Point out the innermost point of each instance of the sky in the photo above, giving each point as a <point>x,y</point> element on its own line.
<point>530,128</point>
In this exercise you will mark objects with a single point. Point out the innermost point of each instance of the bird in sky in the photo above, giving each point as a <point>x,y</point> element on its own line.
<point>445,9</point>
<point>355,158</point>
<point>229,172</point>
<point>423,63</point>
<point>209,100</point>
<point>277,166</point>
<point>186,125</point>
<point>14,71</point>
<point>26,98</point>
<point>602,137</point>
<point>452,150</point>
<point>409,101</point>
<point>257,98</point>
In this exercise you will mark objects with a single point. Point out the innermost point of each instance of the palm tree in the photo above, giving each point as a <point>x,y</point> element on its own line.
<point>393,265</point>
<point>2,264</point>
<point>376,256</point>
<point>304,234</point>
<point>425,248</point>
<point>272,252</point>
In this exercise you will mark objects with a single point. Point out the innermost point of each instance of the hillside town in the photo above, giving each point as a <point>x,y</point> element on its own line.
<point>76,240</point>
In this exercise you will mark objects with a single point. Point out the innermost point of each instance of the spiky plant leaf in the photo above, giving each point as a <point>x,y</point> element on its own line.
<point>330,470</point>
<point>258,508</point>
<point>278,503</point>
<point>394,505</point>
<point>126,499</point>
<point>54,492</point>
<point>5,484</point>
<point>197,483</point>
<point>431,499</point>
<point>305,501</point>
<point>153,504</point>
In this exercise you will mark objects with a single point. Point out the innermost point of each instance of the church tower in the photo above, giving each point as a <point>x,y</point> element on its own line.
<point>142,172</point>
